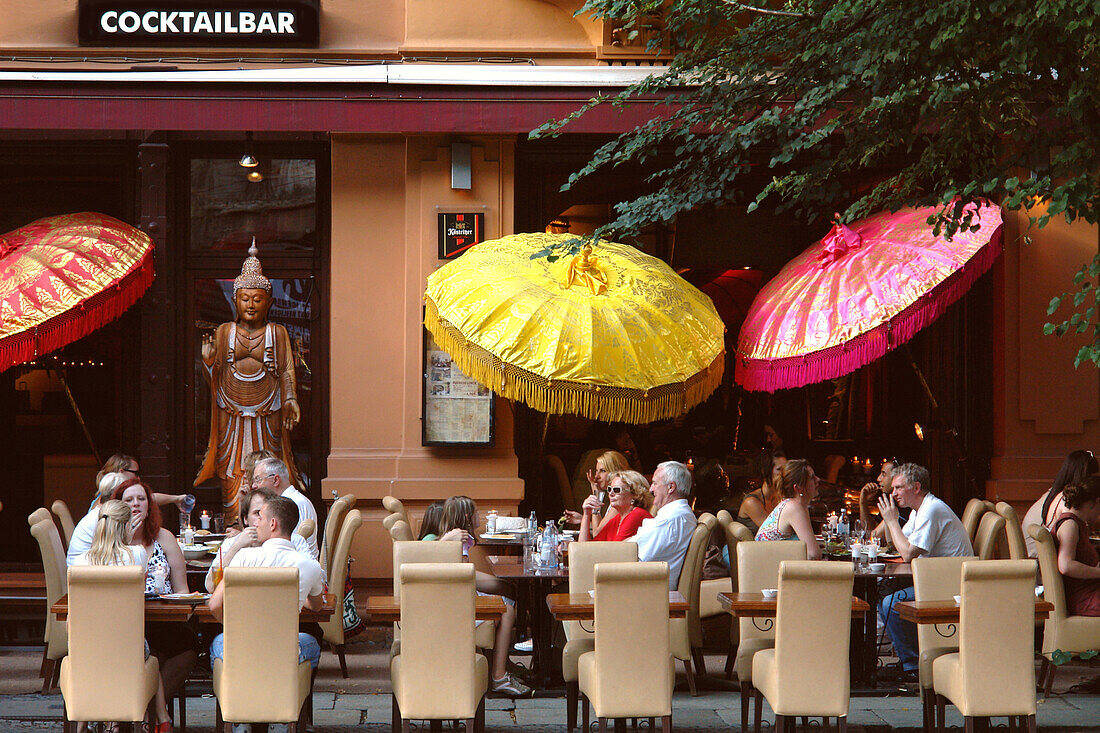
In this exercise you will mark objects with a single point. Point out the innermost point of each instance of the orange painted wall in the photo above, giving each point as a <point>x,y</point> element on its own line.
<point>1043,407</point>
<point>385,194</point>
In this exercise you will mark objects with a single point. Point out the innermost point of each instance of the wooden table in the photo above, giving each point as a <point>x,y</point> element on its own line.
<point>387,609</point>
<point>582,606</point>
<point>947,612</point>
<point>755,605</point>
<point>160,610</point>
<point>533,587</point>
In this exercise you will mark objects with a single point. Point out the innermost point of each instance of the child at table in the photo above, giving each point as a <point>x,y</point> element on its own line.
<point>111,546</point>
<point>458,524</point>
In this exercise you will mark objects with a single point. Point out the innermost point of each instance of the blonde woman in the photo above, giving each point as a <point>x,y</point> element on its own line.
<point>607,463</point>
<point>84,531</point>
<point>630,502</point>
<point>111,546</point>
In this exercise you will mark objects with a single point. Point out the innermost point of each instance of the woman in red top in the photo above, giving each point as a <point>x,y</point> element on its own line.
<point>1077,558</point>
<point>630,500</point>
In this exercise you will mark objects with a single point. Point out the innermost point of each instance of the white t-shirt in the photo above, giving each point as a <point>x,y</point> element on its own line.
<point>138,553</point>
<point>934,528</point>
<point>83,534</point>
<point>280,553</point>
<point>305,511</point>
<point>297,540</point>
<point>666,537</point>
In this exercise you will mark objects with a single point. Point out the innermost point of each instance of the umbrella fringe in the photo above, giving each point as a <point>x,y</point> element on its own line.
<point>769,375</point>
<point>92,314</point>
<point>560,397</point>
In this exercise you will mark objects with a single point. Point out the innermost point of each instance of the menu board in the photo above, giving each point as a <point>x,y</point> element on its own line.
<point>457,409</point>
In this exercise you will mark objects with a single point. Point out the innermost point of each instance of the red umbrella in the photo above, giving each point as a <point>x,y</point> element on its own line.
<point>732,292</point>
<point>63,277</point>
<point>857,293</point>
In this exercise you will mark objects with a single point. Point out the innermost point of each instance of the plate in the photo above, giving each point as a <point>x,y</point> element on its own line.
<point>888,556</point>
<point>185,597</point>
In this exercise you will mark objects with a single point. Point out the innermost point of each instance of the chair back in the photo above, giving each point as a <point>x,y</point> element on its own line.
<point>57,584</point>
<point>935,579</point>
<point>972,515</point>
<point>735,532</point>
<point>1054,591</point>
<point>333,524</point>
<point>260,667</point>
<point>393,505</point>
<point>691,575</point>
<point>583,557</point>
<point>338,574</point>
<point>106,634</point>
<point>306,528</point>
<point>758,567</point>
<point>996,636</point>
<point>401,531</point>
<point>1014,534</point>
<point>813,622</point>
<point>65,519</point>
<point>990,529</point>
<point>413,552</point>
<point>437,657</point>
<point>636,592</point>
<point>389,520</point>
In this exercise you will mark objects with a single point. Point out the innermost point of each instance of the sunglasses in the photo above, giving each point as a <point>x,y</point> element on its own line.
<point>617,490</point>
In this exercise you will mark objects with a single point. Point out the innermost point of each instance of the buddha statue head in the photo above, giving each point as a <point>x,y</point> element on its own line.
<point>252,291</point>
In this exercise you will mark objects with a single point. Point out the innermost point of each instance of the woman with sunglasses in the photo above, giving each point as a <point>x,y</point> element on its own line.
<point>628,494</point>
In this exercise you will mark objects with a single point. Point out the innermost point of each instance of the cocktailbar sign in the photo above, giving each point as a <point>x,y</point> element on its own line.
<point>259,23</point>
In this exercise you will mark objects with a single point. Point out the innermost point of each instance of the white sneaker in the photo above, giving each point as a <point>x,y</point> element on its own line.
<point>527,646</point>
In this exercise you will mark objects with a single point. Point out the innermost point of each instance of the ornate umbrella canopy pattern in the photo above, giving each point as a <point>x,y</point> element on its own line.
<point>63,277</point>
<point>610,335</point>
<point>857,293</point>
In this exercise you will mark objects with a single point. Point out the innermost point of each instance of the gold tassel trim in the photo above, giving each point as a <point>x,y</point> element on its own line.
<point>561,397</point>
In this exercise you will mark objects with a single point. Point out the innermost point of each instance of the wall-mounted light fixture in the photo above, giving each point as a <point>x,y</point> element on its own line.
<point>248,160</point>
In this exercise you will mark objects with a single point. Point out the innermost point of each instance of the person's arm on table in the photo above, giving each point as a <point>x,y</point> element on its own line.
<point>177,565</point>
<point>888,510</point>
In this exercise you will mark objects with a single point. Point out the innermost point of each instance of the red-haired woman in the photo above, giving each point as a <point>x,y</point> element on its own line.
<point>173,643</point>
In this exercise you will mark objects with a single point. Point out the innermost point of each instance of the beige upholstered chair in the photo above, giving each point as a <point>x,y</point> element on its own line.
<point>65,519</point>
<point>972,516</point>
<point>260,680</point>
<point>306,528</point>
<point>412,551</point>
<point>1070,634</point>
<point>392,519</point>
<point>684,647</point>
<point>106,675</point>
<point>1014,534</point>
<point>629,675</point>
<point>934,579</point>
<point>813,622</point>
<point>393,505</point>
<point>735,532</point>
<point>758,567</point>
<point>992,674</point>
<point>333,628</point>
<point>401,531</point>
<point>333,523</point>
<point>579,636</point>
<point>991,528</point>
<point>53,565</point>
<point>438,675</point>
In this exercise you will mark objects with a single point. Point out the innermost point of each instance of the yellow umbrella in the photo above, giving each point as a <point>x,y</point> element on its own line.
<point>610,334</point>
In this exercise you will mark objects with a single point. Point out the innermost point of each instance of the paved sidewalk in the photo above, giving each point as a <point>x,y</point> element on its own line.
<point>362,702</point>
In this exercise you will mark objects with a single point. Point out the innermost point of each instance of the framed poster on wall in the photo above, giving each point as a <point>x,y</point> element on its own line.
<point>456,410</point>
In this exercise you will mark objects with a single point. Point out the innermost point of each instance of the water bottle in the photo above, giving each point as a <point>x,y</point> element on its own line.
<point>188,503</point>
<point>548,549</point>
<point>842,525</point>
<point>532,525</point>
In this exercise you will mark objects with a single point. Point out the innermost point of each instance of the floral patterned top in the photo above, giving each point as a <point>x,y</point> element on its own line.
<point>157,559</point>
<point>769,528</point>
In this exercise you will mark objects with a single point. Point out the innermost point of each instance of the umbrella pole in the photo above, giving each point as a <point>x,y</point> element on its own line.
<point>937,415</point>
<point>76,410</point>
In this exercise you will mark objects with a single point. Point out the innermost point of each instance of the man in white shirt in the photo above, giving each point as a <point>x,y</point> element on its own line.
<point>277,515</point>
<point>667,535</point>
<point>272,474</point>
<point>932,530</point>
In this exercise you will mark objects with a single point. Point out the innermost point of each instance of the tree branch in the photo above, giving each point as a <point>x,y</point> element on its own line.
<point>767,11</point>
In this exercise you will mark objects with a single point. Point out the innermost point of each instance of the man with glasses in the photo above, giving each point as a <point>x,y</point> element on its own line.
<point>272,474</point>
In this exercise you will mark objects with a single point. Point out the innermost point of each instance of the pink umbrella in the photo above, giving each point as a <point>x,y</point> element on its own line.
<point>858,293</point>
